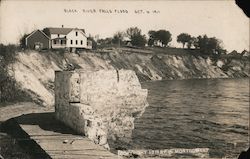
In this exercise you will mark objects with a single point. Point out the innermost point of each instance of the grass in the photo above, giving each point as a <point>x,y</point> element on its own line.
<point>168,51</point>
<point>10,91</point>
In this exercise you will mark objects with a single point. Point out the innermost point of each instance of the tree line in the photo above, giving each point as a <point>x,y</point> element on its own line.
<point>162,38</point>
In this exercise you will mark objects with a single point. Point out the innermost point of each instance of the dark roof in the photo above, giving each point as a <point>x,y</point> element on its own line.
<point>28,35</point>
<point>63,31</point>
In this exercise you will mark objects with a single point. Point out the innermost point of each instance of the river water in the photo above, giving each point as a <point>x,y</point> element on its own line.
<point>197,113</point>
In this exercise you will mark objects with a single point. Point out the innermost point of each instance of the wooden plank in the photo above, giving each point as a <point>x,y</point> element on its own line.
<point>51,135</point>
<point>76,145</point>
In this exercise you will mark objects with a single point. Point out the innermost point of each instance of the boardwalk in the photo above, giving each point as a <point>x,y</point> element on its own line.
<point>44,137</point>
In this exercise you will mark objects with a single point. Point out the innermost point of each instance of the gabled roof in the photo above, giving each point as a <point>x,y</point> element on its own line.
<point>62,31</point>
<point>36,31</point>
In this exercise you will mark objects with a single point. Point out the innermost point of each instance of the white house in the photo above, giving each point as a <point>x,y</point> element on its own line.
<point>68,38</point>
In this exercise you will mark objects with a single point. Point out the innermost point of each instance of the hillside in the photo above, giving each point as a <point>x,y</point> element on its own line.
<point>34,71</point>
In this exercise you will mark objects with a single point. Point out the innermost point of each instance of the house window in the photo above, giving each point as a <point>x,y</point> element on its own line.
<point>76,33</point>
<point>54,41</point>
<point>76,42</point>
<point>81,42</point>
<point>71,41</point>
<point>58,35</point>
<point>61,42</point>
<point>64,42</point>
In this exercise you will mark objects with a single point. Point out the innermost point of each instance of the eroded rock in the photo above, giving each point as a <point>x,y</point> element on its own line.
<point>100,104</point>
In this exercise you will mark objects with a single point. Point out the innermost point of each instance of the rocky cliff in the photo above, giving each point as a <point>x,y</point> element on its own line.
<point>101,104</point>
<point>34,71</point>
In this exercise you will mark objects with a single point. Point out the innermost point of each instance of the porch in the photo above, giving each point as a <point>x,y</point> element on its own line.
<point>58,43</point>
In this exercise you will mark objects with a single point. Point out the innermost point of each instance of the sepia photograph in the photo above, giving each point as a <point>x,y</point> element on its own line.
<point>124,79</point>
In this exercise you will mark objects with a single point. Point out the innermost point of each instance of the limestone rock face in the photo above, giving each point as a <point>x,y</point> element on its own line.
<point>100,104</point>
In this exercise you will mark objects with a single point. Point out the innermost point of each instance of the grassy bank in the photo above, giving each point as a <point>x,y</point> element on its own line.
<point>10,91</point>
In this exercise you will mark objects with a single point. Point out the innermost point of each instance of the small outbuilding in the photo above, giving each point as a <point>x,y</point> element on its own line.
<point>37,40</point>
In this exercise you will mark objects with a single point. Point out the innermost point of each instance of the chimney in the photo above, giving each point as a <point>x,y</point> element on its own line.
<point>62,26</point>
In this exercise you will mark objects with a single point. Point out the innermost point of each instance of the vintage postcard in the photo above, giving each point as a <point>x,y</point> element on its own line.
<point>123,79</point>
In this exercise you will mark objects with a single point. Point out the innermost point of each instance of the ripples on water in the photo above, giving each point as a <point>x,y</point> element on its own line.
<point>209,113</point>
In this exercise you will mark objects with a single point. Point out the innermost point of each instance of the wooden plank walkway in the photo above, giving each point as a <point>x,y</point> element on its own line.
<point>49,138</point>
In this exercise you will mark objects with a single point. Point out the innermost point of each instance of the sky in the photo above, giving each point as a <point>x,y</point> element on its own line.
<point>221,19</point>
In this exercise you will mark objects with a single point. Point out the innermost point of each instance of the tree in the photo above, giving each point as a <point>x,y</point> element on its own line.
<point>195,43</point>
<point>202,43</point>
<point>94,43</point>
<point>214,45</point>
<point>137,39</point>
<point>106,41</point>
<point>118,38</point>
<point>161,35</point>
<point>152,37</point>
<point>22,42</point>
<point>132,31</point>
<point>184,38</point>
<point>152,34</point>
<point>150,42</point>
<point>208,45</point>
<point>191,42</point>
